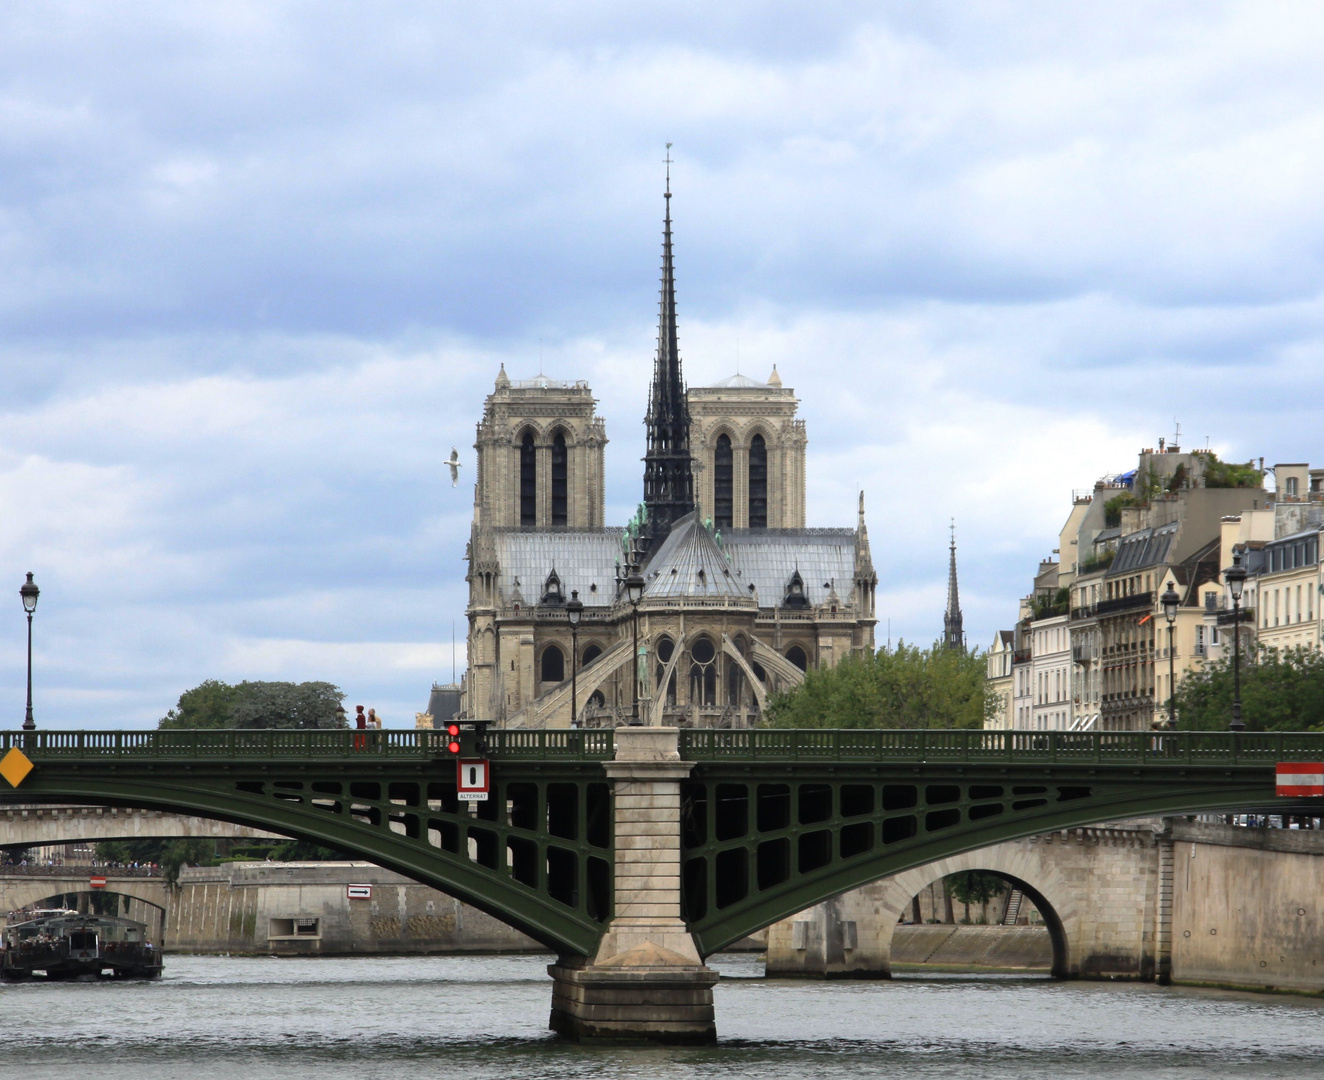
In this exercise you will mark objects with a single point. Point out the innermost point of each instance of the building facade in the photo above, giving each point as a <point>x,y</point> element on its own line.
<point>739,599</point>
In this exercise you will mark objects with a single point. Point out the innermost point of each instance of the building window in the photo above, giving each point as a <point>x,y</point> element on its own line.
<point>723,484</point>
<point>553,664</point>
<point>797,656</point>
<point>560,481</point>
<point>703,672</point>
<point>528,481</point>
<point>1291,487</point>
<point>758,483</point>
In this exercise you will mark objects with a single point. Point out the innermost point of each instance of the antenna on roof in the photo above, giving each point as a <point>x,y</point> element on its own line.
<point>452,650</point>
<point>1176,439</point>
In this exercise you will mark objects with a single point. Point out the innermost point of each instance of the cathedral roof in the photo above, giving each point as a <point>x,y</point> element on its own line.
<point>688,564</point>
<point>584,559</point>
<point>767,559</point>
<point>739,382</point>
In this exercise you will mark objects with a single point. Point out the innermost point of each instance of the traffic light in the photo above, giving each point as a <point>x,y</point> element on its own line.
<point>453,738</point>
<point>466,742</point>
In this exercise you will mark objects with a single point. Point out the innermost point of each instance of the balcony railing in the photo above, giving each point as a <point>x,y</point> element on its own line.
<point>1137,602</point>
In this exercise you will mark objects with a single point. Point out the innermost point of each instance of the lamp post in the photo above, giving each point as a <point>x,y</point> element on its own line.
<point>1235,576</point>
<point>574,611</point>
<point>634,591</point>
<point>1170,601</point>
<point>29,592</point>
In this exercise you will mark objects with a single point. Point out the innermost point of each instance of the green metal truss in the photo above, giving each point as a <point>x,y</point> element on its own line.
<point>775,821</point>
<point>772,821</point>
<point>537,855</point>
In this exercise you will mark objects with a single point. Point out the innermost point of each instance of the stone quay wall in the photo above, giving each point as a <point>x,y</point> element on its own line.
<point>303,909</point>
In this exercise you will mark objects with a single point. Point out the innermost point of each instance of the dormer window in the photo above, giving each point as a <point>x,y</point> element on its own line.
<point>795,592</point>
<point>551,594</point>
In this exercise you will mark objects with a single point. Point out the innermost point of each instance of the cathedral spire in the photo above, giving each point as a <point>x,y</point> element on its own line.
<point>953,635</point>
<point>668,473</point>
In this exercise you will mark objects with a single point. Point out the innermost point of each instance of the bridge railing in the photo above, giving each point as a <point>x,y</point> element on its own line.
<point>594,745</point>
<point>1104,747</point>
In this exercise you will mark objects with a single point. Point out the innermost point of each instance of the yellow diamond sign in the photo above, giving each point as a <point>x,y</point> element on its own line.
<point>15,766</point>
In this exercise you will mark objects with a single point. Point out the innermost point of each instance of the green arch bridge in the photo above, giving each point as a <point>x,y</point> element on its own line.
<point>601,844</point>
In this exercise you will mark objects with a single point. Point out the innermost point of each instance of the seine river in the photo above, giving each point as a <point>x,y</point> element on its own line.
<point>478,1017</point>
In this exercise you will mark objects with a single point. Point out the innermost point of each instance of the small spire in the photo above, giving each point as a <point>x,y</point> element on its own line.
<point>774,379</point>
<point>952,623</point>
<point>502,379</point>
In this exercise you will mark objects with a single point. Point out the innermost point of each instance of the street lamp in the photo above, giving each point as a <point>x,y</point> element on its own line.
<point>1171,601</point>
<point>1235,576</point>
<point>29,592</point>
<point>574,611</point>
<point>634,591</point>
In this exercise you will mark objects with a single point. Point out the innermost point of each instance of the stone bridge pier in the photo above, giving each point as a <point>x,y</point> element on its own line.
<point>647,980</point>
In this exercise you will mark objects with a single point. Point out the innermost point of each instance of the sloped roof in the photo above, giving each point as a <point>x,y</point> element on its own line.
<point>766,558</point>
<point>739,382</point>
<point>1144,547</point>
<point>584,559</point>
<point>688,564</point>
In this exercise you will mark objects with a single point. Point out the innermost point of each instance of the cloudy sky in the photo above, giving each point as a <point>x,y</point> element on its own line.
<point>261,262</point>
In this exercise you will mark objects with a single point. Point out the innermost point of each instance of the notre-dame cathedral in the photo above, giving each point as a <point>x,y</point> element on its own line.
<point>738,598</point>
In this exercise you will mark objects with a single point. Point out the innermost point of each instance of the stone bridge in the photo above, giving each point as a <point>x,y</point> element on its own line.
<point>138,896</point>
<point>36,826</point>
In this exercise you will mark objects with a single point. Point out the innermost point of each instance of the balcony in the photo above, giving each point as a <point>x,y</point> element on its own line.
<point>1021,656</point>
<point>1138,602</point>
<point>1247,616</point>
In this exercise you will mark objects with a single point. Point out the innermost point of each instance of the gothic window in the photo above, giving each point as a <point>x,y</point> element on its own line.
<point>703,672</point>
<point>553,664</point>
<point>560,485</point>
<point>758,483</point>
<point>591,654</point>
<point>723,484</point>
<point>664,650</point>
<point>797,656</point>
<point>528,481</point>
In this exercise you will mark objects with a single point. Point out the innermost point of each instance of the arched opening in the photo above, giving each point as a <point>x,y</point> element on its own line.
<point>703,672</point>
<point>552,669</point>
<point>758,483</point>
<point>723,483</point>
<point>664,650</point>
<point>528,481</point>
<point>105,902</point>
<point>1016,904</point>
<point>591,653</point>
<point>560,481</point>
<point>798,657</point>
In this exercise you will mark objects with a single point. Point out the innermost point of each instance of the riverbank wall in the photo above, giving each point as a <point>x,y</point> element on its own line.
<point>306,909</point>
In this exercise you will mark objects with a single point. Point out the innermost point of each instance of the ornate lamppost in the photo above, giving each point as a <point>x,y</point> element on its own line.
<point>1171,601</point>
<point>634,591</point>
<point>1235,576</point>
<point>574,611</point>
<point>29,592</point>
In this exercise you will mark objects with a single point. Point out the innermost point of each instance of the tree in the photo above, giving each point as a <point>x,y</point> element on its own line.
<point>975,887</point>
<point>215,704</point>
<point>907,687</point>
<point>170,855</point>
<point>1280,691</point>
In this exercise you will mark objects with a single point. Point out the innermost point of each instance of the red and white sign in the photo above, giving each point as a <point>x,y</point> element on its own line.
<point>358,892</point>
<point>473,781</point>
<point>1297,778</point>
<point>97,882</point>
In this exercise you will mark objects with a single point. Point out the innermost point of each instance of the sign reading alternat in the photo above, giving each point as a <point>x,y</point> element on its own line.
<point>1298,778</point>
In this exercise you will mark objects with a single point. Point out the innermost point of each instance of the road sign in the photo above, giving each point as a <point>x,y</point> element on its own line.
<point>1297,778</point>
<point>358,892</point>
<point>473,780</point>
<point>97,882</point>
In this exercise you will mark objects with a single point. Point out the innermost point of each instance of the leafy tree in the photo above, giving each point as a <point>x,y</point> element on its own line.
<point>975,887</point>
<point>907,687</point>
<point>215,704</point>
<point>1225,474</point>
<point>170,855</point>
<point>1280,691</point>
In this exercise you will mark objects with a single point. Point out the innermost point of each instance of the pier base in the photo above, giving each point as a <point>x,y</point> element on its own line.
<point>645,995</point>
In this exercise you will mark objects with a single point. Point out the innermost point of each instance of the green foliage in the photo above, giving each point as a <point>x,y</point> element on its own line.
<point>1112,509</point>
<point>1280,691</point>
<point>908,687</point>
<point>170,855</point>
<point>1224,474</point>
<point>1177,480</point>
<point>975,886</point>
<point>1099,562</point>
<point>1046,606</point>
<point>214,704</point>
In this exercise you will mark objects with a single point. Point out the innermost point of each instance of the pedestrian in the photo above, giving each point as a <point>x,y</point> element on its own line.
<point>361,723</point>
<point>375,724</point>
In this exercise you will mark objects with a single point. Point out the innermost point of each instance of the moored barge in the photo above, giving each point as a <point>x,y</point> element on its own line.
<point>63,944</point>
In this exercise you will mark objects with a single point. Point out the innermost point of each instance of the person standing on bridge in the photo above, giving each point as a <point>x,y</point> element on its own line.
<point>374,724</point>
<point>361,723</point>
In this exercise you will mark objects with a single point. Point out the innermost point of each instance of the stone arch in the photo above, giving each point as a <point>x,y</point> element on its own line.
<point>551,665</point>
<point>724,481</point>
<point>591,652</point>
<point>759,480</point>
<point>526,444</point>
<point>18,891</point>
<point>796,655</point>
<point>560,475</point>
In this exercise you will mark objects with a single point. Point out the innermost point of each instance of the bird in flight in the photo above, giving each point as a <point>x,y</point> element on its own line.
<point>454,462</point>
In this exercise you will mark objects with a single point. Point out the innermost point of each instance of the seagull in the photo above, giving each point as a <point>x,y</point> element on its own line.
<point>454,462</point>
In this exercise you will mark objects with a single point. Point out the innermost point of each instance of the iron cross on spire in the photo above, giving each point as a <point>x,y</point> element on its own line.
<point>667,159</point>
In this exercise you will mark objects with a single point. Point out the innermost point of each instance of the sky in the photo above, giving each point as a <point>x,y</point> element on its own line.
<point>262,262</point>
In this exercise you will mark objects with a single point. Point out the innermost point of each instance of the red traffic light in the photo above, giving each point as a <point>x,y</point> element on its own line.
<point>453,730</point>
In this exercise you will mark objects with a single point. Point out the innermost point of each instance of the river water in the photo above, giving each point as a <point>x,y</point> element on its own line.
<point>464,1018</point>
